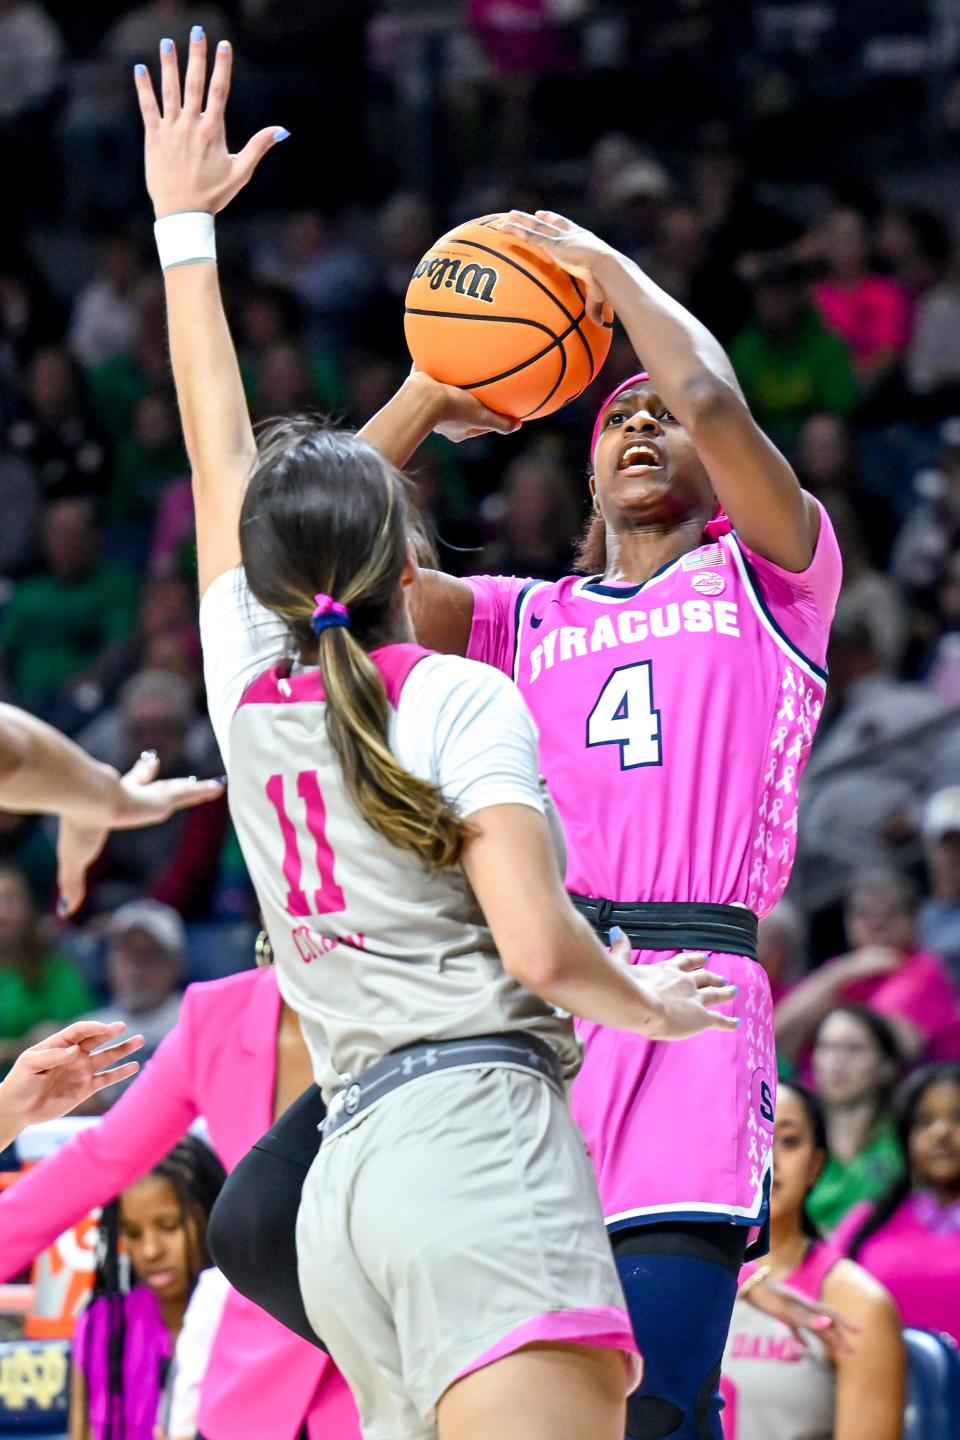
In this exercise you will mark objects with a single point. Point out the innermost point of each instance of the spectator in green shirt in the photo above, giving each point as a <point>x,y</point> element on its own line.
<point>856,1065</point>
<point>56,624</point>
<point>789,363</point>
<point>37,986</point>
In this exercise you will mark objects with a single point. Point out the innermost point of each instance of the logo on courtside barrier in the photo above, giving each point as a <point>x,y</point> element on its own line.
<point>477,282</point>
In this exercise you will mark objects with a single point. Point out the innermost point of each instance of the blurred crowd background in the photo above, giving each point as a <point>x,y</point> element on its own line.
<point>788,171</point>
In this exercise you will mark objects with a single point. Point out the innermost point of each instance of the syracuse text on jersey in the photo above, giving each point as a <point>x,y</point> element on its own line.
<point>628,627</point>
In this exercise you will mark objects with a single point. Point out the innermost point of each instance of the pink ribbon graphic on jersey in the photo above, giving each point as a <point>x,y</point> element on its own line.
<point>720,524</point>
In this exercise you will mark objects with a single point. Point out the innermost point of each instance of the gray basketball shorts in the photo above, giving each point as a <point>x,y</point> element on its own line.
<point>452,1223</point>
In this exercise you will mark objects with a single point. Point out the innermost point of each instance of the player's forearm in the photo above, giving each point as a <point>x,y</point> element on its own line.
<point>686,363</point>
<point>572,970</point>
<point>400,428</point>
<point>42,771</point>
<point>213,407</point>
<point>9,1126</point>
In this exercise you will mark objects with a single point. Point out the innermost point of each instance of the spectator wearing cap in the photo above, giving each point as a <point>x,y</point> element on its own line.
<point>939,915</point>
<point>144,970</point>
<point>931,532</point>
<point>886,969</point>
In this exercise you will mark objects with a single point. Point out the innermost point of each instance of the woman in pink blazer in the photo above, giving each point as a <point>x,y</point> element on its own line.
<point>236,1057</point>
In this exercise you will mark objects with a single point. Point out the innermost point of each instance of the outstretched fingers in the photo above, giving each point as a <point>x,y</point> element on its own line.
<point>111,1077</point>
<point>169,80</point>
<point>195,79</point>
<point>220,82</point>
<point>146,95</point>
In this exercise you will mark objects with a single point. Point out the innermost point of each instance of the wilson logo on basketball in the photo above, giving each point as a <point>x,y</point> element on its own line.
<point>478,282</point>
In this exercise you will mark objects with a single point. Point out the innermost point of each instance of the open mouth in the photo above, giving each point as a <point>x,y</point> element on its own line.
<point>640,455</point>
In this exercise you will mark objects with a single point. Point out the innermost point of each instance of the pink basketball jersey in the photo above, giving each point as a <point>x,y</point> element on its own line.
<point>675,717</point>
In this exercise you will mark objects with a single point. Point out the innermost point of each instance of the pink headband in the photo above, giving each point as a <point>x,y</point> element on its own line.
<point>720,524</point>
<point>328,612</point>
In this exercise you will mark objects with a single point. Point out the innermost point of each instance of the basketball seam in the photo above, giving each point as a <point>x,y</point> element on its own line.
<point>499,255</point>
<point>556,341</point>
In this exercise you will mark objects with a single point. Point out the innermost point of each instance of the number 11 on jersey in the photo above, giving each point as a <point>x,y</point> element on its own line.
<point>624,716</point>
<point>327,897</point>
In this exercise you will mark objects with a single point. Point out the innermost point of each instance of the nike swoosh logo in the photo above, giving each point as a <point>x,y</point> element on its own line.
<point>536,621</point>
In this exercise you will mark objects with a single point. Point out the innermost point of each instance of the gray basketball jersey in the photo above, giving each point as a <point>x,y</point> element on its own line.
<point>372,950</point>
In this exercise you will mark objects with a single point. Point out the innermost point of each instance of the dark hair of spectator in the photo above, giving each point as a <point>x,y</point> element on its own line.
<point>30,949</point>
<point>905,1105</point>
<point>816,1119</point>
<point>884,1037</point>
<point>324,513</point>
<point>196,1176</point>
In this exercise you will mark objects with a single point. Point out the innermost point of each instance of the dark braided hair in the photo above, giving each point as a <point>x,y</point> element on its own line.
<point>906,1103</point>
<point>817,1120</point>
<point>196,1176</point>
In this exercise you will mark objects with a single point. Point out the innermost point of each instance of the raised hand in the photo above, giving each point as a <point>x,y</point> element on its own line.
<point>570,246</point>
<point>187,161</point>
<point>59,1073</point>
<point>141,800</point>
<point>460,415</point>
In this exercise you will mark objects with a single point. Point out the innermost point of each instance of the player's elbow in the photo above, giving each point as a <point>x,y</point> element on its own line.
<point>543,964</point>
<point>15,749</point>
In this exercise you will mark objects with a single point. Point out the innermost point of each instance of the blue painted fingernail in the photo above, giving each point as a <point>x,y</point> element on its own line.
<point>279,135</point>
<point>196,33</point>
<point>62,906</point>
<point>224,47</point>
<point>615,934</point>
<point>736,989</point>
<point>221,779</point>
<point>737,1020</point>
<point>166,46</point>
<point>139,70</point>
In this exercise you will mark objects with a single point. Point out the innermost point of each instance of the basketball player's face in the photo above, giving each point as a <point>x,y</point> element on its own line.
<point>796,1160</point>
<point>646,470</point>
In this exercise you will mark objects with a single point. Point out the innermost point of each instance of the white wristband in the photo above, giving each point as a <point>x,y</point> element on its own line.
<point>185,238</point>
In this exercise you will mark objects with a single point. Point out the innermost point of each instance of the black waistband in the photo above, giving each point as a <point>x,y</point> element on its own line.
<point>675,925</point>
<point>512,1048</point>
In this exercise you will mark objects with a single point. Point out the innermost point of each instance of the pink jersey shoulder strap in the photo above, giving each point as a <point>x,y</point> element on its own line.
<point>277,686</point>
<point>813,1270</point>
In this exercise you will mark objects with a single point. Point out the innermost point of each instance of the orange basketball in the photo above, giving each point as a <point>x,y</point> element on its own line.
<point>492,315</point>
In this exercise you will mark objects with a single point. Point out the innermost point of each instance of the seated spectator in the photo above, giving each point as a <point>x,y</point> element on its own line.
<point>150,458</point>
<point>30,314</point>
<point>827,463</point>
<point>58,623</point>
<point>56,432</point>
<point>175,862</point>
<point>166,638</point>
<point>27,844</point>
<point>884,969</point>
<point>789,363</point>
<point>106,313</point>
<point>933,356</point>
<point>870,311</point>
<point>144,970</point>
<point>782,947</point>
<point>884,741</point>
<point>769,1373</point>
<point>120,383</point>
<point>124,1339</point>
<point>22,498</point>
<point>856,1063</point>
<point>910,1238</point>
<point>535,514</point>
<point>38,987</point>
<point>931,532</point>
<point>939,916</point>
<point>868,597</point>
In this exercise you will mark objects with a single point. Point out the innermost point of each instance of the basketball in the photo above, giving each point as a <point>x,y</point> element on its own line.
<point>492,315</point>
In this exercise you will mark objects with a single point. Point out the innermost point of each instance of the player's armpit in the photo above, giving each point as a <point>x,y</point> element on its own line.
<point>441,607</point>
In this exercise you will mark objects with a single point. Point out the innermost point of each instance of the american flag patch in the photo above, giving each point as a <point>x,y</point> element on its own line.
<point>707,555</point>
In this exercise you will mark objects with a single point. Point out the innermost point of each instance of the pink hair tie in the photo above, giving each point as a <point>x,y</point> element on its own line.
<point>328,612</point>
<point>719,525</point>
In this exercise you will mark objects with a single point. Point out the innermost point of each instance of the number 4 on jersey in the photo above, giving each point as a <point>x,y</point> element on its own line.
<point>624,716</point>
